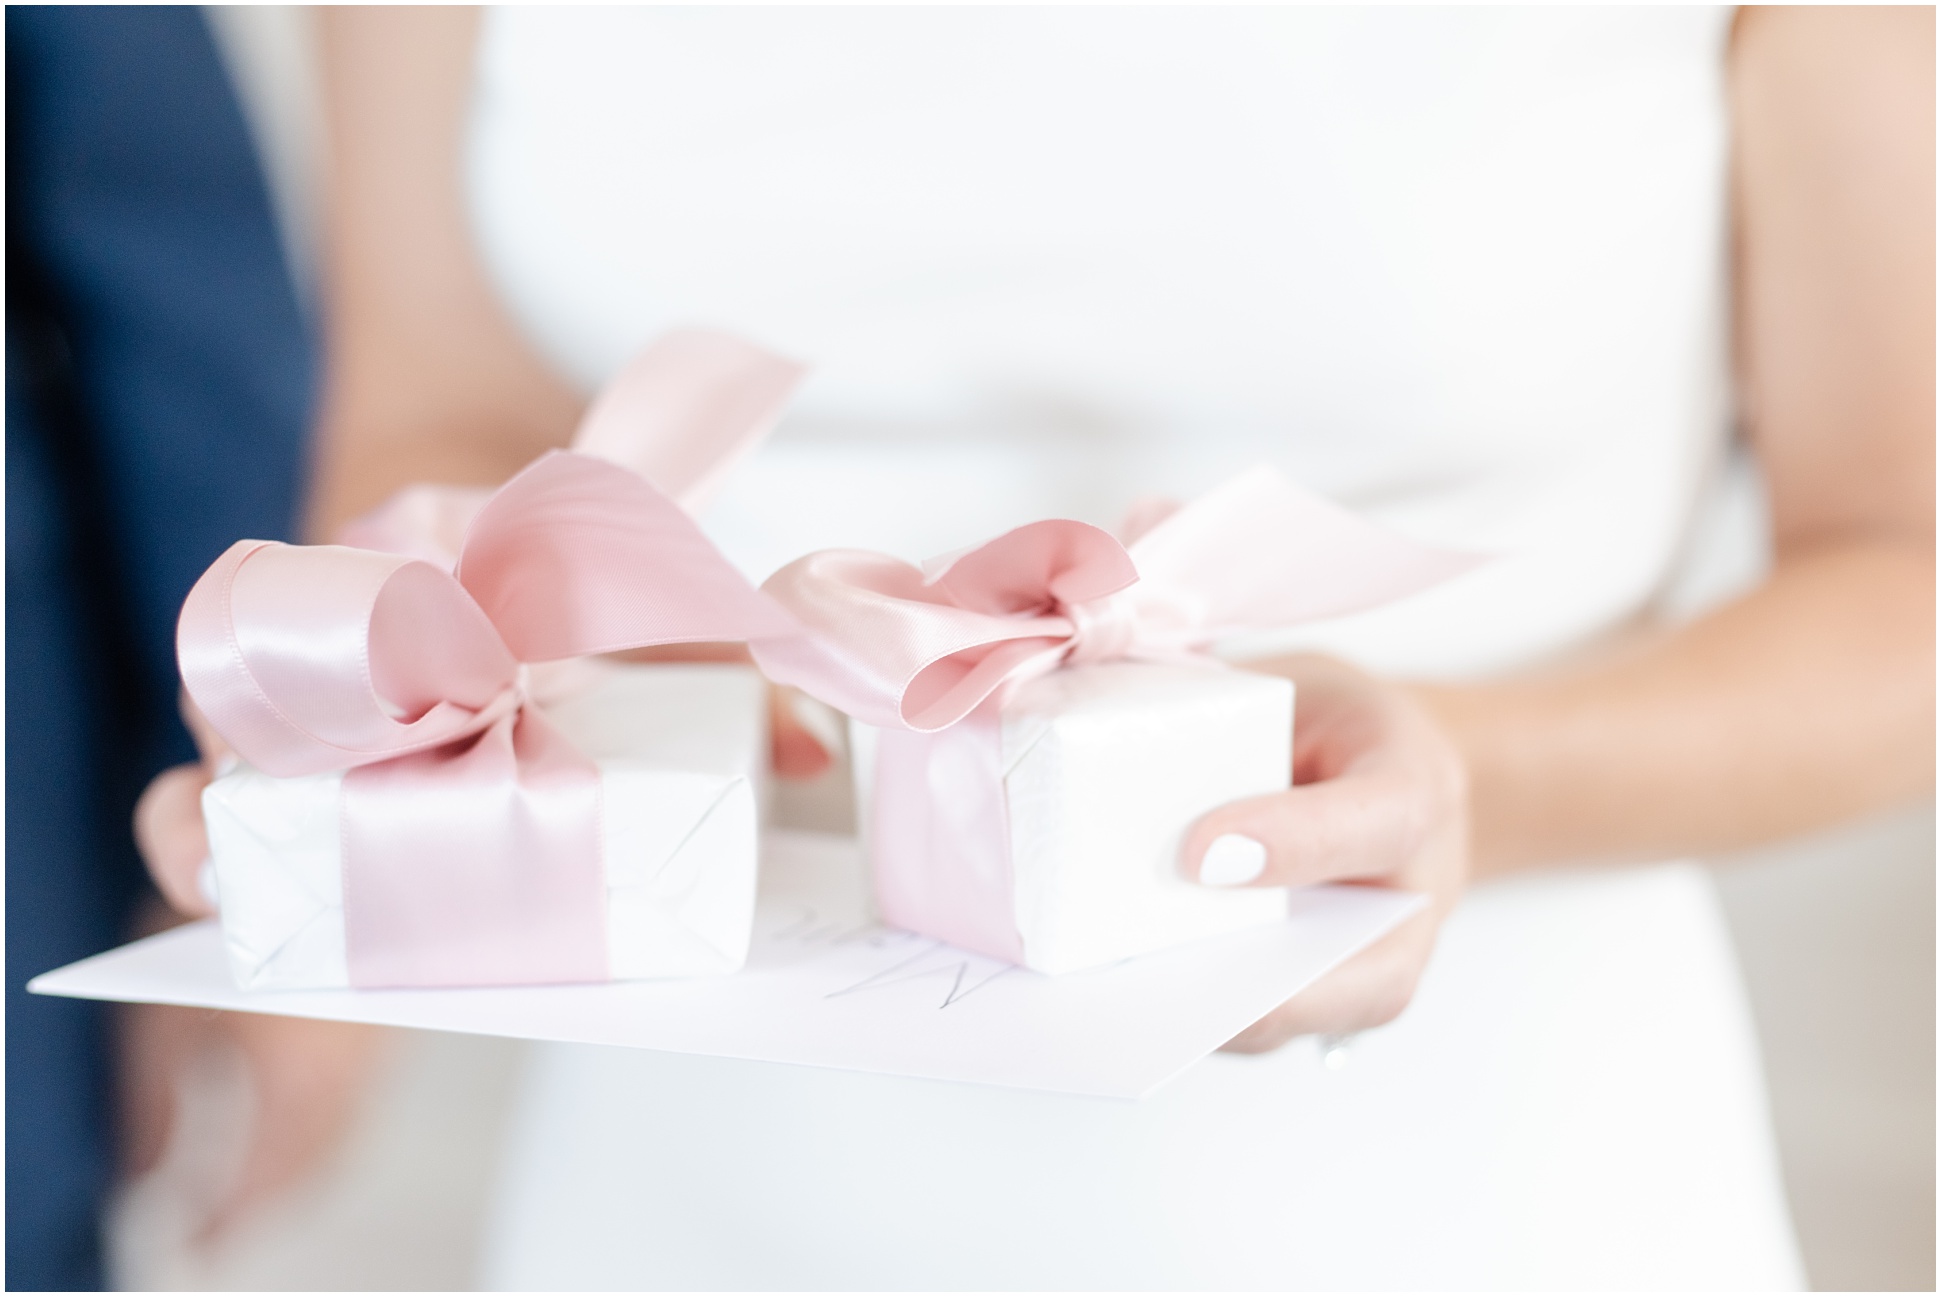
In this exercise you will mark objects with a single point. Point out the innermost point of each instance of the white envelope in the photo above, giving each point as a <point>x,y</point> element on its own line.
<point>1105,769</point>
<point>681,749</point>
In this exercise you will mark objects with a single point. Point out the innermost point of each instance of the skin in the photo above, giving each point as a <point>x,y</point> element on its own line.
<point>1807,701</point>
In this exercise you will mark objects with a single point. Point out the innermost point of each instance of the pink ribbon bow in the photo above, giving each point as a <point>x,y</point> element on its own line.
<point>930,655</point>
<point>470,827</point>
<point>681,414</point>
<point>921,649</point>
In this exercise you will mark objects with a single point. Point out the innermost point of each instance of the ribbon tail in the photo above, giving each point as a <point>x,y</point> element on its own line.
<point>478,864</point>
<point>1259,552</point>
<point>687,410</point>
<point>940,836</point>
<point>576,556</point>
<point>303,657</point>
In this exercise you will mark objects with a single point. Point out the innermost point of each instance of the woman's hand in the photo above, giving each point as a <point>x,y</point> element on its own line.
<point>305,1076</point>
<point>173,842</point>
<point>1380,797</point>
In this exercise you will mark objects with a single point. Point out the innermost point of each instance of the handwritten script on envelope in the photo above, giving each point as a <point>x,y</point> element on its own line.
<point>825,986</point>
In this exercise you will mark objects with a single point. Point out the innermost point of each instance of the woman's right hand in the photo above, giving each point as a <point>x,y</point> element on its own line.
<point>1379,799</point>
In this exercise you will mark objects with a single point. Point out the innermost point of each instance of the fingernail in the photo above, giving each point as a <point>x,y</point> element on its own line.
<point>1233,860</point>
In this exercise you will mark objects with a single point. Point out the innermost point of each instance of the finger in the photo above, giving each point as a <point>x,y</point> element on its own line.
<point>156,1041</point>
<point>306,1078</point>
<point>1365,824</point>
<point>216,754</point>
<point>1367,991</point>
<point>170,834</point>
<point>803,734</point>
<point>706,651</point>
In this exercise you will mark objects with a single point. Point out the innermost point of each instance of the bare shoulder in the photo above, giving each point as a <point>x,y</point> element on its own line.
<point>1833,174</point>
<point>429,376</point>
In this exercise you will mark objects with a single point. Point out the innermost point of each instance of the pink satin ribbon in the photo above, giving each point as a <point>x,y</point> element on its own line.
<point>931,654</point>
<point>681,414</point>
<point>470,827</point>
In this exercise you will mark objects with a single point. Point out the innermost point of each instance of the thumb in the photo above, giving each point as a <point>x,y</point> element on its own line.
<point>1362,825</point>
<point>173,842</point>
<point>216,753</point>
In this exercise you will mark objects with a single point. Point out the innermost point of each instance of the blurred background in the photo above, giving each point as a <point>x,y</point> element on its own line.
<point>1835,936</point>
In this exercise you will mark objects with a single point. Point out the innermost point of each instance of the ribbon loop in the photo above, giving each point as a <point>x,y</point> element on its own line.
<point>577,556</point>
<point>470,827</point>
<point>1032,568</point>
<point>320,657</point>
<point>893,646</point>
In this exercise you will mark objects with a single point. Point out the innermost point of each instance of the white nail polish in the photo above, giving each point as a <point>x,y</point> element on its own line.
<point>1232,861</point>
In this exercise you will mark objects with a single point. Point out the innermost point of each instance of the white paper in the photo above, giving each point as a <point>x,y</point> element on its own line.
<point>825,986</point>
<point>1106,767</point>
<point>679,747</point>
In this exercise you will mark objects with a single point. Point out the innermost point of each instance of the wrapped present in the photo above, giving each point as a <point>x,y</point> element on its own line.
<point>680,750</point>
<point>1050,722</point>
<point>434,792</point>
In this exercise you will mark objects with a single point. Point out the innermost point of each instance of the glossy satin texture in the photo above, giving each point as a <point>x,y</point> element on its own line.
<point>471,829</point>
<point>930,655</point>
<point>682,413</point>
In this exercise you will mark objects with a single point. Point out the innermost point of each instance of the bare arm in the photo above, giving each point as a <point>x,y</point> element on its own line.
<point>1809,700</point>
<point>1812,698</point>
<point>427,377</point>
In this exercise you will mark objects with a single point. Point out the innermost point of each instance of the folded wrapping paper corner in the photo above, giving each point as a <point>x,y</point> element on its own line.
<point>470,824</point>
<point>679,748</point>
<point>938,650</point>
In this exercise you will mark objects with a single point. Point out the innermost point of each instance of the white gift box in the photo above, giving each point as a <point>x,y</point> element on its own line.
<point>1105,768</point>
<point>681,749</point>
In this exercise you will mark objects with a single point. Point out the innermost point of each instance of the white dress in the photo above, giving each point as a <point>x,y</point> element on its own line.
<point>1461,269</point>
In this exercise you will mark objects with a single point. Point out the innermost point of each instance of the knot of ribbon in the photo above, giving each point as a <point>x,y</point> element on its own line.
<point>308,658</point>
<point>922,648</point>
<point>470,827</point>
<point>681,414</point>
<point>1102,629</point>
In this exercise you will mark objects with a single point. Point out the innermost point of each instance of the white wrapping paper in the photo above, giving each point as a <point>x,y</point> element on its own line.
<point>680,747</point>
<point>1106,767</point>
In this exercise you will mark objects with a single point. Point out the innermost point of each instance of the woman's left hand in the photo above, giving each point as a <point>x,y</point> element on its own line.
<point>1380,797</point>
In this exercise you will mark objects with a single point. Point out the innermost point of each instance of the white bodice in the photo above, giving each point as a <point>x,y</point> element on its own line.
<point>1461,268</point>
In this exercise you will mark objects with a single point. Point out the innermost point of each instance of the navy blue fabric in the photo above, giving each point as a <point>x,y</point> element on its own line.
<point>159,379</point>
